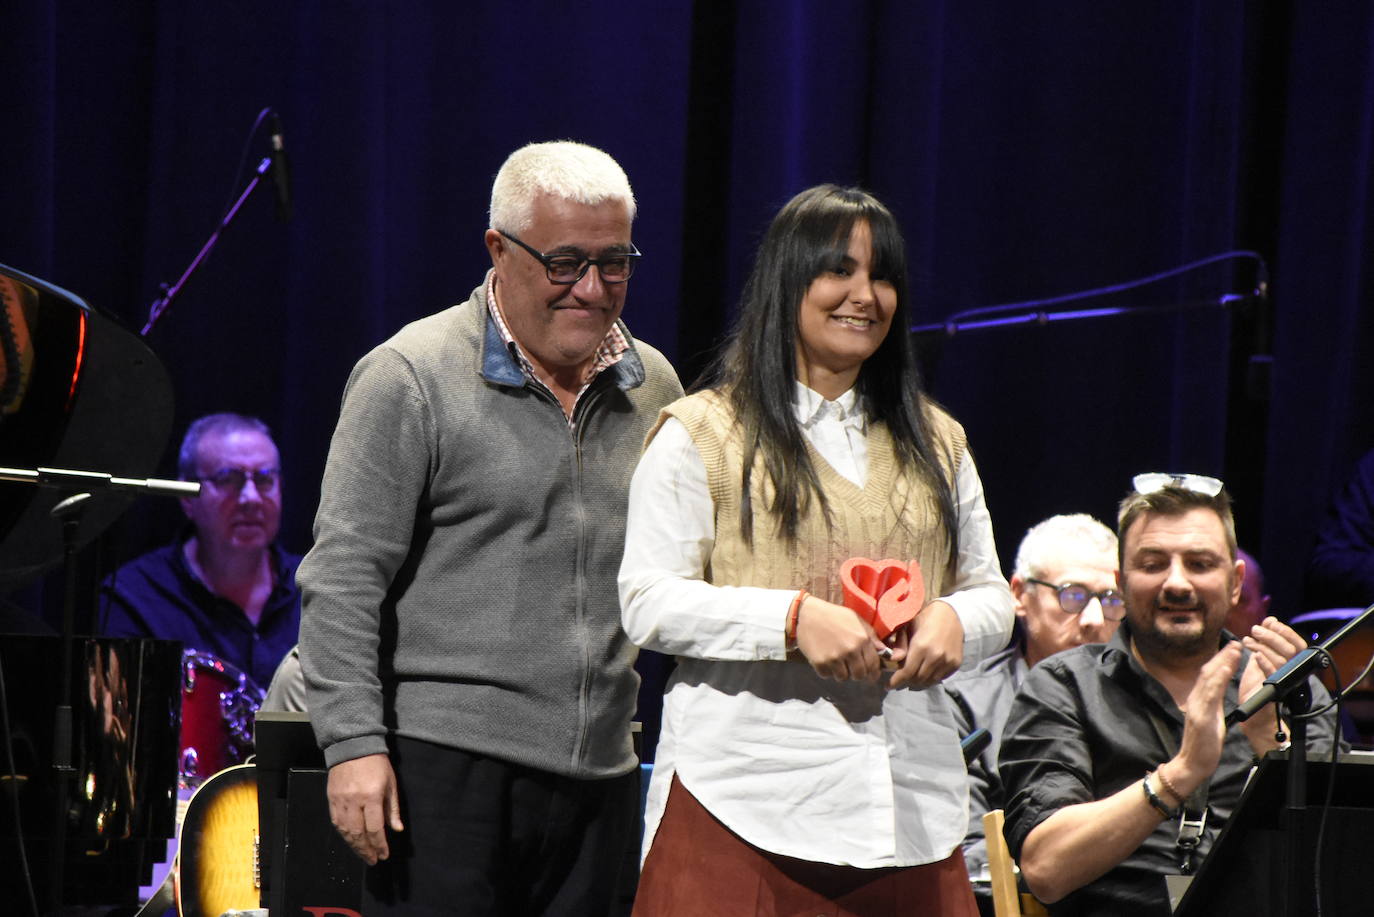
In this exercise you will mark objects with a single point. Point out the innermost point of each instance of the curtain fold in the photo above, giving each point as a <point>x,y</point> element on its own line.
<point>1028,151</point>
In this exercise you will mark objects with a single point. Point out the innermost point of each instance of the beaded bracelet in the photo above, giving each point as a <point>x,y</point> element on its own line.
<point>1153,799</point>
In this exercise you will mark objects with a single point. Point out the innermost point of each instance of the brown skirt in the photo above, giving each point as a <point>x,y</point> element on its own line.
<point>697,866</point>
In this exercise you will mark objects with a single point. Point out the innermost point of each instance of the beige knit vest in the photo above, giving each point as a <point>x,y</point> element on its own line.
<point>894,515</point>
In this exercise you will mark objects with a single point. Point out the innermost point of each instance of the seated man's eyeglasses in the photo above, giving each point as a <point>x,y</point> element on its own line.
<point>231,480</point>
<point>1155,481</point>
<point>570,268</point>
<point>1074,597</point>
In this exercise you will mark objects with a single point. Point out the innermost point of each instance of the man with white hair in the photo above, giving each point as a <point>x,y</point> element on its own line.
<point>1064,587</point>
<point>466,672</point>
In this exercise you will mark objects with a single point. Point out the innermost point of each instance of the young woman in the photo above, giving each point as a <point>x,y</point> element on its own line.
<point>794,771</point>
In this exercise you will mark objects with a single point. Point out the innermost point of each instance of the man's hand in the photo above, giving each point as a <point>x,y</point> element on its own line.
<point>1204,726</point>
<point>1078,844</point>
<point>363,803</point>
<point>837,642</point>
<point>934,643</point>
<point>1271,644</point>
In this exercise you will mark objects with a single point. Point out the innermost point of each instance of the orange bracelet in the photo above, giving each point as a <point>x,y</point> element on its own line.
<point>789,632</point>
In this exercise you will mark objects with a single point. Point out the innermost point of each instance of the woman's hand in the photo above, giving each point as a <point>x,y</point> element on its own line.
<point>934,642</point>
<point>837,642</point>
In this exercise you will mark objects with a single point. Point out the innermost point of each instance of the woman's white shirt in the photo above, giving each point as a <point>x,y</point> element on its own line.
<point>849,774</point>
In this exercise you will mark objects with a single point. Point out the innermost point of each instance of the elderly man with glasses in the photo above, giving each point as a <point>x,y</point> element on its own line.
<point>465,668</point>
<point>224,587</point>
<point>1117,763</point>
<point>1064,587</point>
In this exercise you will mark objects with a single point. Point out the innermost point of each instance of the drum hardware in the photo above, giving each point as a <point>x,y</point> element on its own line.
<point>218,705</point>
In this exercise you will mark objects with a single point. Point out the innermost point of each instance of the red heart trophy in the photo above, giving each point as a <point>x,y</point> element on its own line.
<point>885,593</point>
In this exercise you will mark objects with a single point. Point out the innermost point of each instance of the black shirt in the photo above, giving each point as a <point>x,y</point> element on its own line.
<point>1080,730</point>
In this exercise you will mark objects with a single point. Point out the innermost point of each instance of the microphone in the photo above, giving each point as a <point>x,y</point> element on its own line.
<point>75,480</point>
<point>281,171</point>
<point>1292,673</point>
<point>973,744</point>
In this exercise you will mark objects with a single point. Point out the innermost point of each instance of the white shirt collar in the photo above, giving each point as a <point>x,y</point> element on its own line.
<point>811,407</point>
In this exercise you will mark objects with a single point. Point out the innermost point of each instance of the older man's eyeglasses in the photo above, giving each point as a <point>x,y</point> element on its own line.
<point>1074,597</point>
<point>568,269</point>
<point>231,480</point>
<point>1155,481</point>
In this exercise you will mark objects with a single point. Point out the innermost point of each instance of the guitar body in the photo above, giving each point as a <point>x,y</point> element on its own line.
<point>217,855</point>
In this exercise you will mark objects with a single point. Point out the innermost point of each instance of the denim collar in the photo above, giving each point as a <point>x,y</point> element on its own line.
<point>500,367</point>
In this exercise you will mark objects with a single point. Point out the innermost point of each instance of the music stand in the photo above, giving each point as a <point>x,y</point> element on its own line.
<point>307,867</point>
<point>1247,871</point>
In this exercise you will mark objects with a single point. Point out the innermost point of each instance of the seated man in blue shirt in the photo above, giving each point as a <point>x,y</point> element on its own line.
<point>1105,744</point>
<point>1064,586</point>
<point>224,586</point>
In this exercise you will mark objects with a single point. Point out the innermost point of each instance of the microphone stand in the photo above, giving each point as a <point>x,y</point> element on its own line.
<point>1297,701</point>
<point>69,511</point>
<point>1289,685</point>
<point>170,293</point>
<point>1041,316</point>
<point>1045,310</point>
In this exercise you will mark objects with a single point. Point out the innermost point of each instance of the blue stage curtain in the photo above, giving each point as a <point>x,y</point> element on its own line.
<point>1029,150</point>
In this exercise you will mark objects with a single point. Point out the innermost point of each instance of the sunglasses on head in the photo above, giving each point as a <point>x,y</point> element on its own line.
<point>1154,481</point>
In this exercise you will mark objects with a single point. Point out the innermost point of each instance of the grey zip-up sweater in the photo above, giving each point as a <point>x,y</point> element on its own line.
<point>462,586</point>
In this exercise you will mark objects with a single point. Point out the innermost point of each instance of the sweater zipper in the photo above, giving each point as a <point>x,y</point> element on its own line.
<point>580,413</point>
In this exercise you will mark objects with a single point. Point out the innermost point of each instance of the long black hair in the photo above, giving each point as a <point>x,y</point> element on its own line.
<point>757,370</point>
